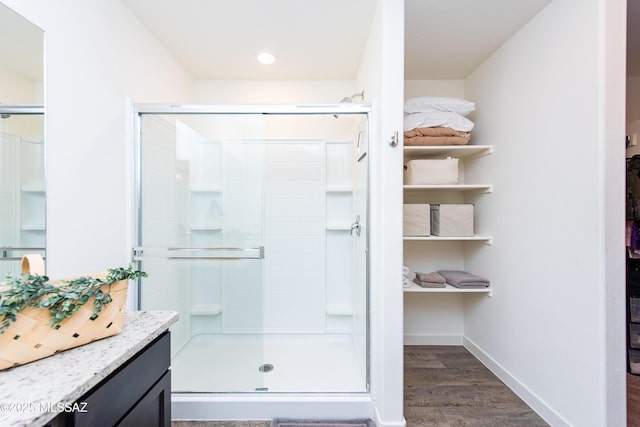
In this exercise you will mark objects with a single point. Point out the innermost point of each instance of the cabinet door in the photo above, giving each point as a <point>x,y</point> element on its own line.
<point>118,395</point>
<point>154,409</point>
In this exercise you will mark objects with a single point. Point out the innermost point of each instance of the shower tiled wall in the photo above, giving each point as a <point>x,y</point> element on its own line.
<point>294,291</point>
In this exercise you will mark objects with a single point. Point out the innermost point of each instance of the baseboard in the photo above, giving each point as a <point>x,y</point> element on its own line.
<point>382,423</point>
<point>432,339</point>
<point>529,397</point>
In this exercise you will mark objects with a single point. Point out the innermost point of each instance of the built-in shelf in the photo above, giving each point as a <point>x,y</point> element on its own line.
<point>338,227</point>
<point>206,310</point>
<point>487,188</point>
<point>458,151</point>
<point>339,190</point>
<point>339,309</point>
<point>205,227</point>
<point>485,239</point>
<point>32,189</point>
<point>448,289</point>
<point>206,190</point>
<point>32,227</point>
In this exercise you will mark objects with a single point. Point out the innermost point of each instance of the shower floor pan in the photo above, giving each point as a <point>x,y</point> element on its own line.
<point>268,363</point>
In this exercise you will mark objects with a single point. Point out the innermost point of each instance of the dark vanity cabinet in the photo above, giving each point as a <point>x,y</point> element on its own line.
<point>137,394</point>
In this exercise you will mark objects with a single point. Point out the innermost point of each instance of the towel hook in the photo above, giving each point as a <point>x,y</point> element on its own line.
<point>394,139</point>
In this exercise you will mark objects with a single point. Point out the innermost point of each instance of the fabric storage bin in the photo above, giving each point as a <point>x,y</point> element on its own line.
<point>634,335</point>
<point>634,361</point>
<point>431,171</point>
<point>416,220</point>
<point>452,220</point>
<point>634,309</point>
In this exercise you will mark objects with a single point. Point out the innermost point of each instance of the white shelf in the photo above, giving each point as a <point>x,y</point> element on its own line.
<point>487,188</point>
<point>339,309</point>
<point>448,289</point>
<point>458,151</point>
<point>339,190</point>
<point>32,227</point>
<point>206,190</point>
<point>486,239</point>
<point>205,227</point>
<point>338,227</point>
<point>34,189</point>
<point>206,310</point>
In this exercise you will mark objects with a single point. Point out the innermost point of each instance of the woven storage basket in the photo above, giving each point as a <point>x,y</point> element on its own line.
<point>31,338</point>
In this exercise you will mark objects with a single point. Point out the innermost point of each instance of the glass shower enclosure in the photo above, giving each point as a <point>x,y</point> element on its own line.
<point>22,185</point>
<point>252,224</point>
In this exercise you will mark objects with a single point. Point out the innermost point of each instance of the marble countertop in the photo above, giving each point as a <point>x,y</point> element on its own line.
<point>33,394</point>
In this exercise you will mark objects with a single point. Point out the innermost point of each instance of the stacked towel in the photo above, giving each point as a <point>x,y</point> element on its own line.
<point>435,136</point>
<point>462,279</point>
<point>429,280</point>
<point>429,121</point>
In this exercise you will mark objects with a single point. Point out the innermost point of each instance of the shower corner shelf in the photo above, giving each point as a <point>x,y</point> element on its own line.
<point>339,309</point>
<point>338,227</point>
<point>206,310</point>
<point>33,189</point>
<point>32,227</point>
<point>206,190</point>
<point>206,227</point>
<point>339,190</point>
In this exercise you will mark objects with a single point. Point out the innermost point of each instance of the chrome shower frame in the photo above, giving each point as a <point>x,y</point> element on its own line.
<point>264,403</point>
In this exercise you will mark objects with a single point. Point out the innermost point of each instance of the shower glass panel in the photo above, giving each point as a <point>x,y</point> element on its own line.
<point>254,228</point>
<point>22,187</point>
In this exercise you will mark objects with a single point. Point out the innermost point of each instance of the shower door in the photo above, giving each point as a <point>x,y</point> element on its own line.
<point>22,185</point>
<point>200,239</point>
<point>254,228</point>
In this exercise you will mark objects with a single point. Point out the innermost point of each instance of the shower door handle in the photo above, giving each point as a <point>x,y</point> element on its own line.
<point>355,227</point>
<point>207,254</point>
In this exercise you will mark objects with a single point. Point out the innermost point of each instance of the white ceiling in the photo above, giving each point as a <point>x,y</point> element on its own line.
<point>324,39</point>
<point>448,39</point>
<point>219,39</point>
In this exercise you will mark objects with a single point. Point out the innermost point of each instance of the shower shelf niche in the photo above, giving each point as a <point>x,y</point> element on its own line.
<point>206,310</point>
<point>338,227</point>
<point>205,227</point>
<point>339,309</point>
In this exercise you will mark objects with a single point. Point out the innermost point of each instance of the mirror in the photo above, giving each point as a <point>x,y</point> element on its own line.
<point>22,183</point>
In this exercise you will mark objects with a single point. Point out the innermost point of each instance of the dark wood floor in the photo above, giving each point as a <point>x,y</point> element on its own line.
<point>633,400</point>
<point>448,386</point>
<point>445,386</point>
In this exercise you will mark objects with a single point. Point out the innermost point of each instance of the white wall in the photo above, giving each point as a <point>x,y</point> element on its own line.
<point>273,91</point>
<point>381,75</point>
<point>540,101</point>
<point>97,56</point>
<point>18,89</point>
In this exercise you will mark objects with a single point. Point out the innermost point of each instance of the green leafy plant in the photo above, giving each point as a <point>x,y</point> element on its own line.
<point>62,300</point>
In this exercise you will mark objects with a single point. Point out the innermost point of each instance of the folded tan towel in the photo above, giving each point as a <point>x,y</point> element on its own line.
<point>430,277</point>
<point>429,284</point>
<point>435,136</point>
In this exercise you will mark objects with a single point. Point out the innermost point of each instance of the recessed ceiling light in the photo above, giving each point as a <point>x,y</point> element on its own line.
<point>266,58</point>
